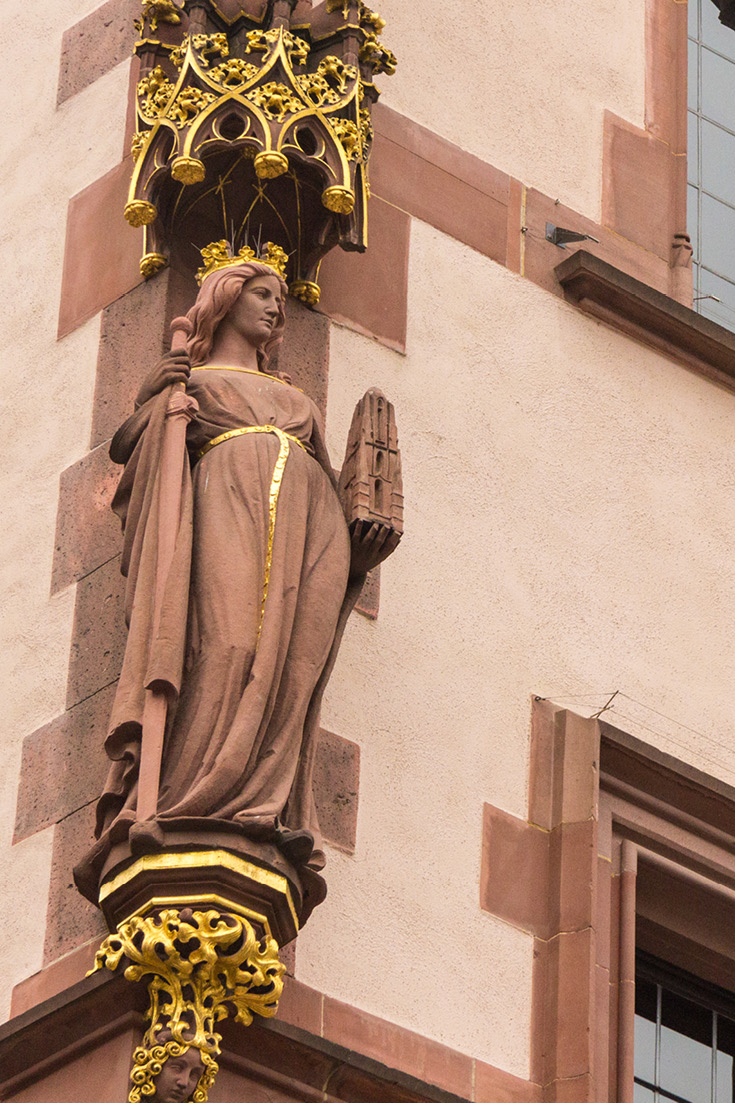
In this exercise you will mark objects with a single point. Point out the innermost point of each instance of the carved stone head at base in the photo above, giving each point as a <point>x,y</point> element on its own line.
<point>179,1077</point>
<point>176,1073</point>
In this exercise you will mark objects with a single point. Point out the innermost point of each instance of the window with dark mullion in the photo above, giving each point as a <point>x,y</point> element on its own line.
<point>711,161</point>
<point>684,1037</point>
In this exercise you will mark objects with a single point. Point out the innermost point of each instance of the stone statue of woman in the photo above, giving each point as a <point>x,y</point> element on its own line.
<point>263,577</point>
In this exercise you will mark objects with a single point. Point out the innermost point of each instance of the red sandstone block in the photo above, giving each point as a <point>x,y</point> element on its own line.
<point>336,787</point>
<point>543,1013</point>
<point>87,532</point>
<point>355,1086</point>
<point>64,765</point>
<point>134,333</point>
<point>573,878</point>
<point>301,1006</point>
<point>493,1085</point>
<point>541,256</point>
<point>99,633</point>
<point>579,780</point>
<point>514,879</point>
<point>93,275</point>
<point>578,1089</point>
<point>639,187</point>
<point>603,912</point>
<point>445,155</point>
<point>95,45</point>
<point>666,73</point>
<point>397,1048</point>
<point>545,718</point>
<point>71,921</point>
<point>368,291</point>
<point>442,197</point>
<point>304,354</point>
<point>572,980</point>
<point>54,979</point>
<point>603,1037</point>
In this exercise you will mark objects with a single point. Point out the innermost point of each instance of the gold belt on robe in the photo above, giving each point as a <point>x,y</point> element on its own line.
<point>284,440</point>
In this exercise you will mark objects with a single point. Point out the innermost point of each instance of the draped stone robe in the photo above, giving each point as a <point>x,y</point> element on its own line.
<point>244,672</point>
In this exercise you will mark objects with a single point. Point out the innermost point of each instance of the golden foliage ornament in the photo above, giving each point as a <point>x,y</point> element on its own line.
<point>203,966</point>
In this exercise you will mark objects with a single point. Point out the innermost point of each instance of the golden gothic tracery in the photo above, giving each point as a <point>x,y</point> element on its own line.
<point>255,131</point>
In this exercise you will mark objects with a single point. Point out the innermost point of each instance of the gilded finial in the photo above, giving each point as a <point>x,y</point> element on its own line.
<point>218,256</point>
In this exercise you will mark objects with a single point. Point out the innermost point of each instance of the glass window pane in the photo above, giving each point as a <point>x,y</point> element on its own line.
<point>718,234</point>
<point>718,86</point>
<point>725,1052</point>
<point>718,161</point>
<point>692,82</point>
<point>714,33</point>
<point>724,1077</point>
<point>686,1048</point>
<point>693,18</point>
<point>685,1068</point>
<point>642,1095</point>
<point>645,1049</point>
<point>692,201</point>
<point>693,146</point>
<point>722,312</point>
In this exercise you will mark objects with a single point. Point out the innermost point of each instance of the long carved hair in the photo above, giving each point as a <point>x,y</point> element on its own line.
<point>218,293</point>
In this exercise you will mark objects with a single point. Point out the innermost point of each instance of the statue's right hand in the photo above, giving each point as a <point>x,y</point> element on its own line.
<point>174,367</point>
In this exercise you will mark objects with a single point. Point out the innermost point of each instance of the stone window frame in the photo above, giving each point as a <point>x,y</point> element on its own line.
<point>668,831</point>
<point>622,846</point>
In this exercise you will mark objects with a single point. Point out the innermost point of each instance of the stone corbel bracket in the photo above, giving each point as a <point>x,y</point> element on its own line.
<point>254,131</point>
<point>205,952</point>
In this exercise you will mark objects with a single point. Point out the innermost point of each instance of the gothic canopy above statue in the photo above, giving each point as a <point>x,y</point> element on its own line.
<point>254,125</point>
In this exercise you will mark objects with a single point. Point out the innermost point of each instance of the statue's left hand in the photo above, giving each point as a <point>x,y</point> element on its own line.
<point>372,542</point>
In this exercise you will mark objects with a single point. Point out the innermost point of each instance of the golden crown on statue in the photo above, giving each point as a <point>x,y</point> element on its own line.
<point>218,256</point>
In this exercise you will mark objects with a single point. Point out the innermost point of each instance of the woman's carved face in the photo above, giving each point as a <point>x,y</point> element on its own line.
<point>257,310</point>
<point>179,1077</point>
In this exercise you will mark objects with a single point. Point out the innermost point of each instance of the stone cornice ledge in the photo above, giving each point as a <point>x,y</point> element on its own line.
<point>605,292</point>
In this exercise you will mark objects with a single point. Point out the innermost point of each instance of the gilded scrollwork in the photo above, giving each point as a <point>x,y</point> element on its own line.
<point>201,967</point>
<point>155,11</point>
<point>233,72</point>
<point>340,5</point>
<point>374,54</point>
<point>371,19</point>
<point>207,46</point>
<point>154,94</point>
<point>155,99</point>
<point>137,142</point>
<point>275,100</point>
<point>190,102</point>
<point>296,48</point>
<point>349,136</point>
<point>329,84</point>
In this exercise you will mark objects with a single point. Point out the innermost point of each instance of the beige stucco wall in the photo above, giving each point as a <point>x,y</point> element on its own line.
<point>569,521</point>
<point>522,85</point>
<point>47,387</point>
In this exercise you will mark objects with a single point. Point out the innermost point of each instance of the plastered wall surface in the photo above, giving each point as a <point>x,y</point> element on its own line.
<point>524,86</point>
<point>569,519</point>
<point>47,392</point>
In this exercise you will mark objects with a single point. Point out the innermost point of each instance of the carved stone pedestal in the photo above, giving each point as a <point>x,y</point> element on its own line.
<point>229,876</point>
